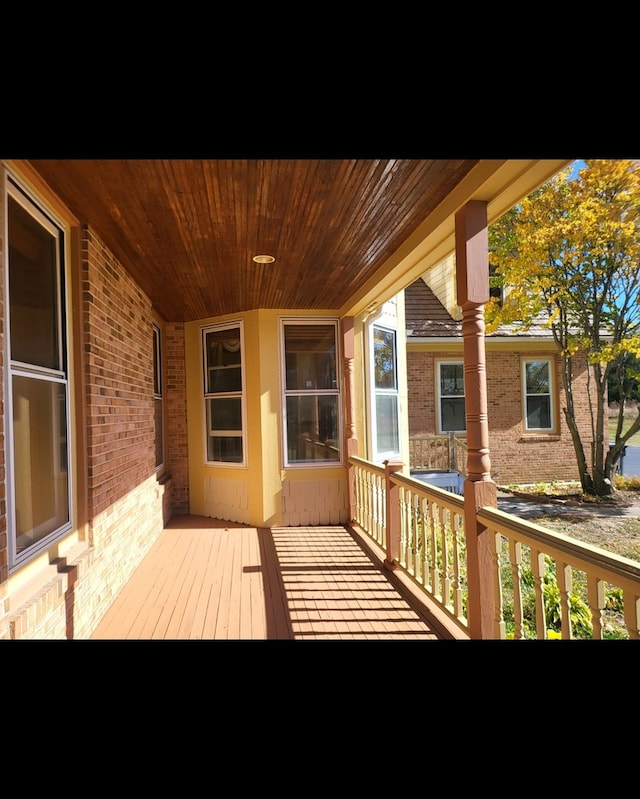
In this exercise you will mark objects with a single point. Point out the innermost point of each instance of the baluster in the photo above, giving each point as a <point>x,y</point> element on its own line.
<point>437,563</point>
<point>515,560</point>
<point>444,539</point>
<point>366,521</point>
<point>424,578</point>
<point>411,544</point>
<point>458,606</point>
<point>359,491</point>
<point>495,544</point>
<point>402,509</point>
<point>537,568</point>
<point>432,548</point>
<point>381,526</point>
<point>595,598</point>
<point>632,614</point>
<point>565,584</point>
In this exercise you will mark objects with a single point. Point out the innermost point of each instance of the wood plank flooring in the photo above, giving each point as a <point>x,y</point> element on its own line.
<point>208,579</point>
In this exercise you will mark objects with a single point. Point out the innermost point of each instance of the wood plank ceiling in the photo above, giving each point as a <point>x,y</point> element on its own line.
<point>187,230</point>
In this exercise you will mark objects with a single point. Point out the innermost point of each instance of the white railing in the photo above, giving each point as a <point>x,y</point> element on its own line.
<point>537,583</point>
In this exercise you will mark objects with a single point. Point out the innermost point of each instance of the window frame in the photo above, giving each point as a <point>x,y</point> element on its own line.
<point>550,361</point>
<point>58,375</point>
<point>158,394</point>
<point>440,396</point>
<point>240,394</point>
<point>287,393</point>
<point>379,392</point>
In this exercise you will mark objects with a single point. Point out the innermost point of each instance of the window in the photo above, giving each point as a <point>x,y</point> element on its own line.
<point>450,390</point>
<point>37,388</point>
<point>157,395</point>
<point>311,392</point>
<point>224,393</point>
<point>386,438</point>
<point>537,376</point>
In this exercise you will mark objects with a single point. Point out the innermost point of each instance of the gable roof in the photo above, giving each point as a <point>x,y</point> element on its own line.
<point>426,317</point>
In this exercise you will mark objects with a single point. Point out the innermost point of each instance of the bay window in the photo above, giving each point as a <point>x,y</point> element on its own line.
<point>224,398</point>
<point>311,389</point>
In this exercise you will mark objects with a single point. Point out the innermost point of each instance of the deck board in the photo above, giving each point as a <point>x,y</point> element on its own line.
<point>214,580</point>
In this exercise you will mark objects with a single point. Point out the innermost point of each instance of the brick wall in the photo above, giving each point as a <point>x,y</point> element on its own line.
<point>127,504</point>
<point>516,457</point>
<point>177,447</point>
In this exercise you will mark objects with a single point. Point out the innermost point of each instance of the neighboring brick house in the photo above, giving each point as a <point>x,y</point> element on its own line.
<point>528,436</point>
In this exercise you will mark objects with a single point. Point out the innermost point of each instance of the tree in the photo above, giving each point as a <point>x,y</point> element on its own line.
<point>570,253</point>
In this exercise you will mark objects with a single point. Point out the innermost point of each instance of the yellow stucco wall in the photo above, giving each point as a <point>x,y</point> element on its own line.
<point>262,492</point>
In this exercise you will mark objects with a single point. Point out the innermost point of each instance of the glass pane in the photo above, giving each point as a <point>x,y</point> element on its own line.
<point>537,377</point>
<point>539,413</point>
<point>226,449</point>
<point>224,361</point>
<point>310,356</point>
<point>224,380</point>
<point>40,459</point>
<point>387,439</point>
<point>453,418</point>
<point>312,428</point>
<point>384,357</point>
<point>224,414</point>
<point>33,300</point>
<point>451,379</point>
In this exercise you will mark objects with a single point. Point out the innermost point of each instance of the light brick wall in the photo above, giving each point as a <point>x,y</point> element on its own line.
<point>516,457</point>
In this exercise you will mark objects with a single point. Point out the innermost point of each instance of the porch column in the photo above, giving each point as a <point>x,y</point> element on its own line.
<point>350,440</point>
<point>472,283</point>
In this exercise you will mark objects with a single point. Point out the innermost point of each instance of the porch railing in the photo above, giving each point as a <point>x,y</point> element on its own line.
<point>438,453</point>
<point>539,584</point>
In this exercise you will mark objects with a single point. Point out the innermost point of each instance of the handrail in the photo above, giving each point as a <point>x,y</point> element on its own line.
<point>543,584</point>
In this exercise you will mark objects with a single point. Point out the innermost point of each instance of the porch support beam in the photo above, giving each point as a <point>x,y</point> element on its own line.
<point>472,283</point>
<point>347,329</point>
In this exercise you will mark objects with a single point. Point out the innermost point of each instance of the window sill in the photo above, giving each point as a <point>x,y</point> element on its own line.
<point>532,438</point>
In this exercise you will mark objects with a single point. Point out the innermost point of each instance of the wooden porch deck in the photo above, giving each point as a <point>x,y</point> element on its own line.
<point>208,579</point>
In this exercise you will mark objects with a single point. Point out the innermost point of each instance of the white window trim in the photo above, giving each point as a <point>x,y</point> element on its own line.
<point>15,188</point>
<point>439,397</point>
<point>311,320</point>
<point>236,323</point>
<point>552,391</point>
<point>375,392</point>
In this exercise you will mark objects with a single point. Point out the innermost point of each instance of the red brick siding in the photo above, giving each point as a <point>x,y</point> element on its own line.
<point>176,416</point>
<point>516,457</point>
<point>119,376</point>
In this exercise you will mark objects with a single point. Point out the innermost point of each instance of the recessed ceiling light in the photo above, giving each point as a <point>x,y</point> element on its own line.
<point>264,259</point>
